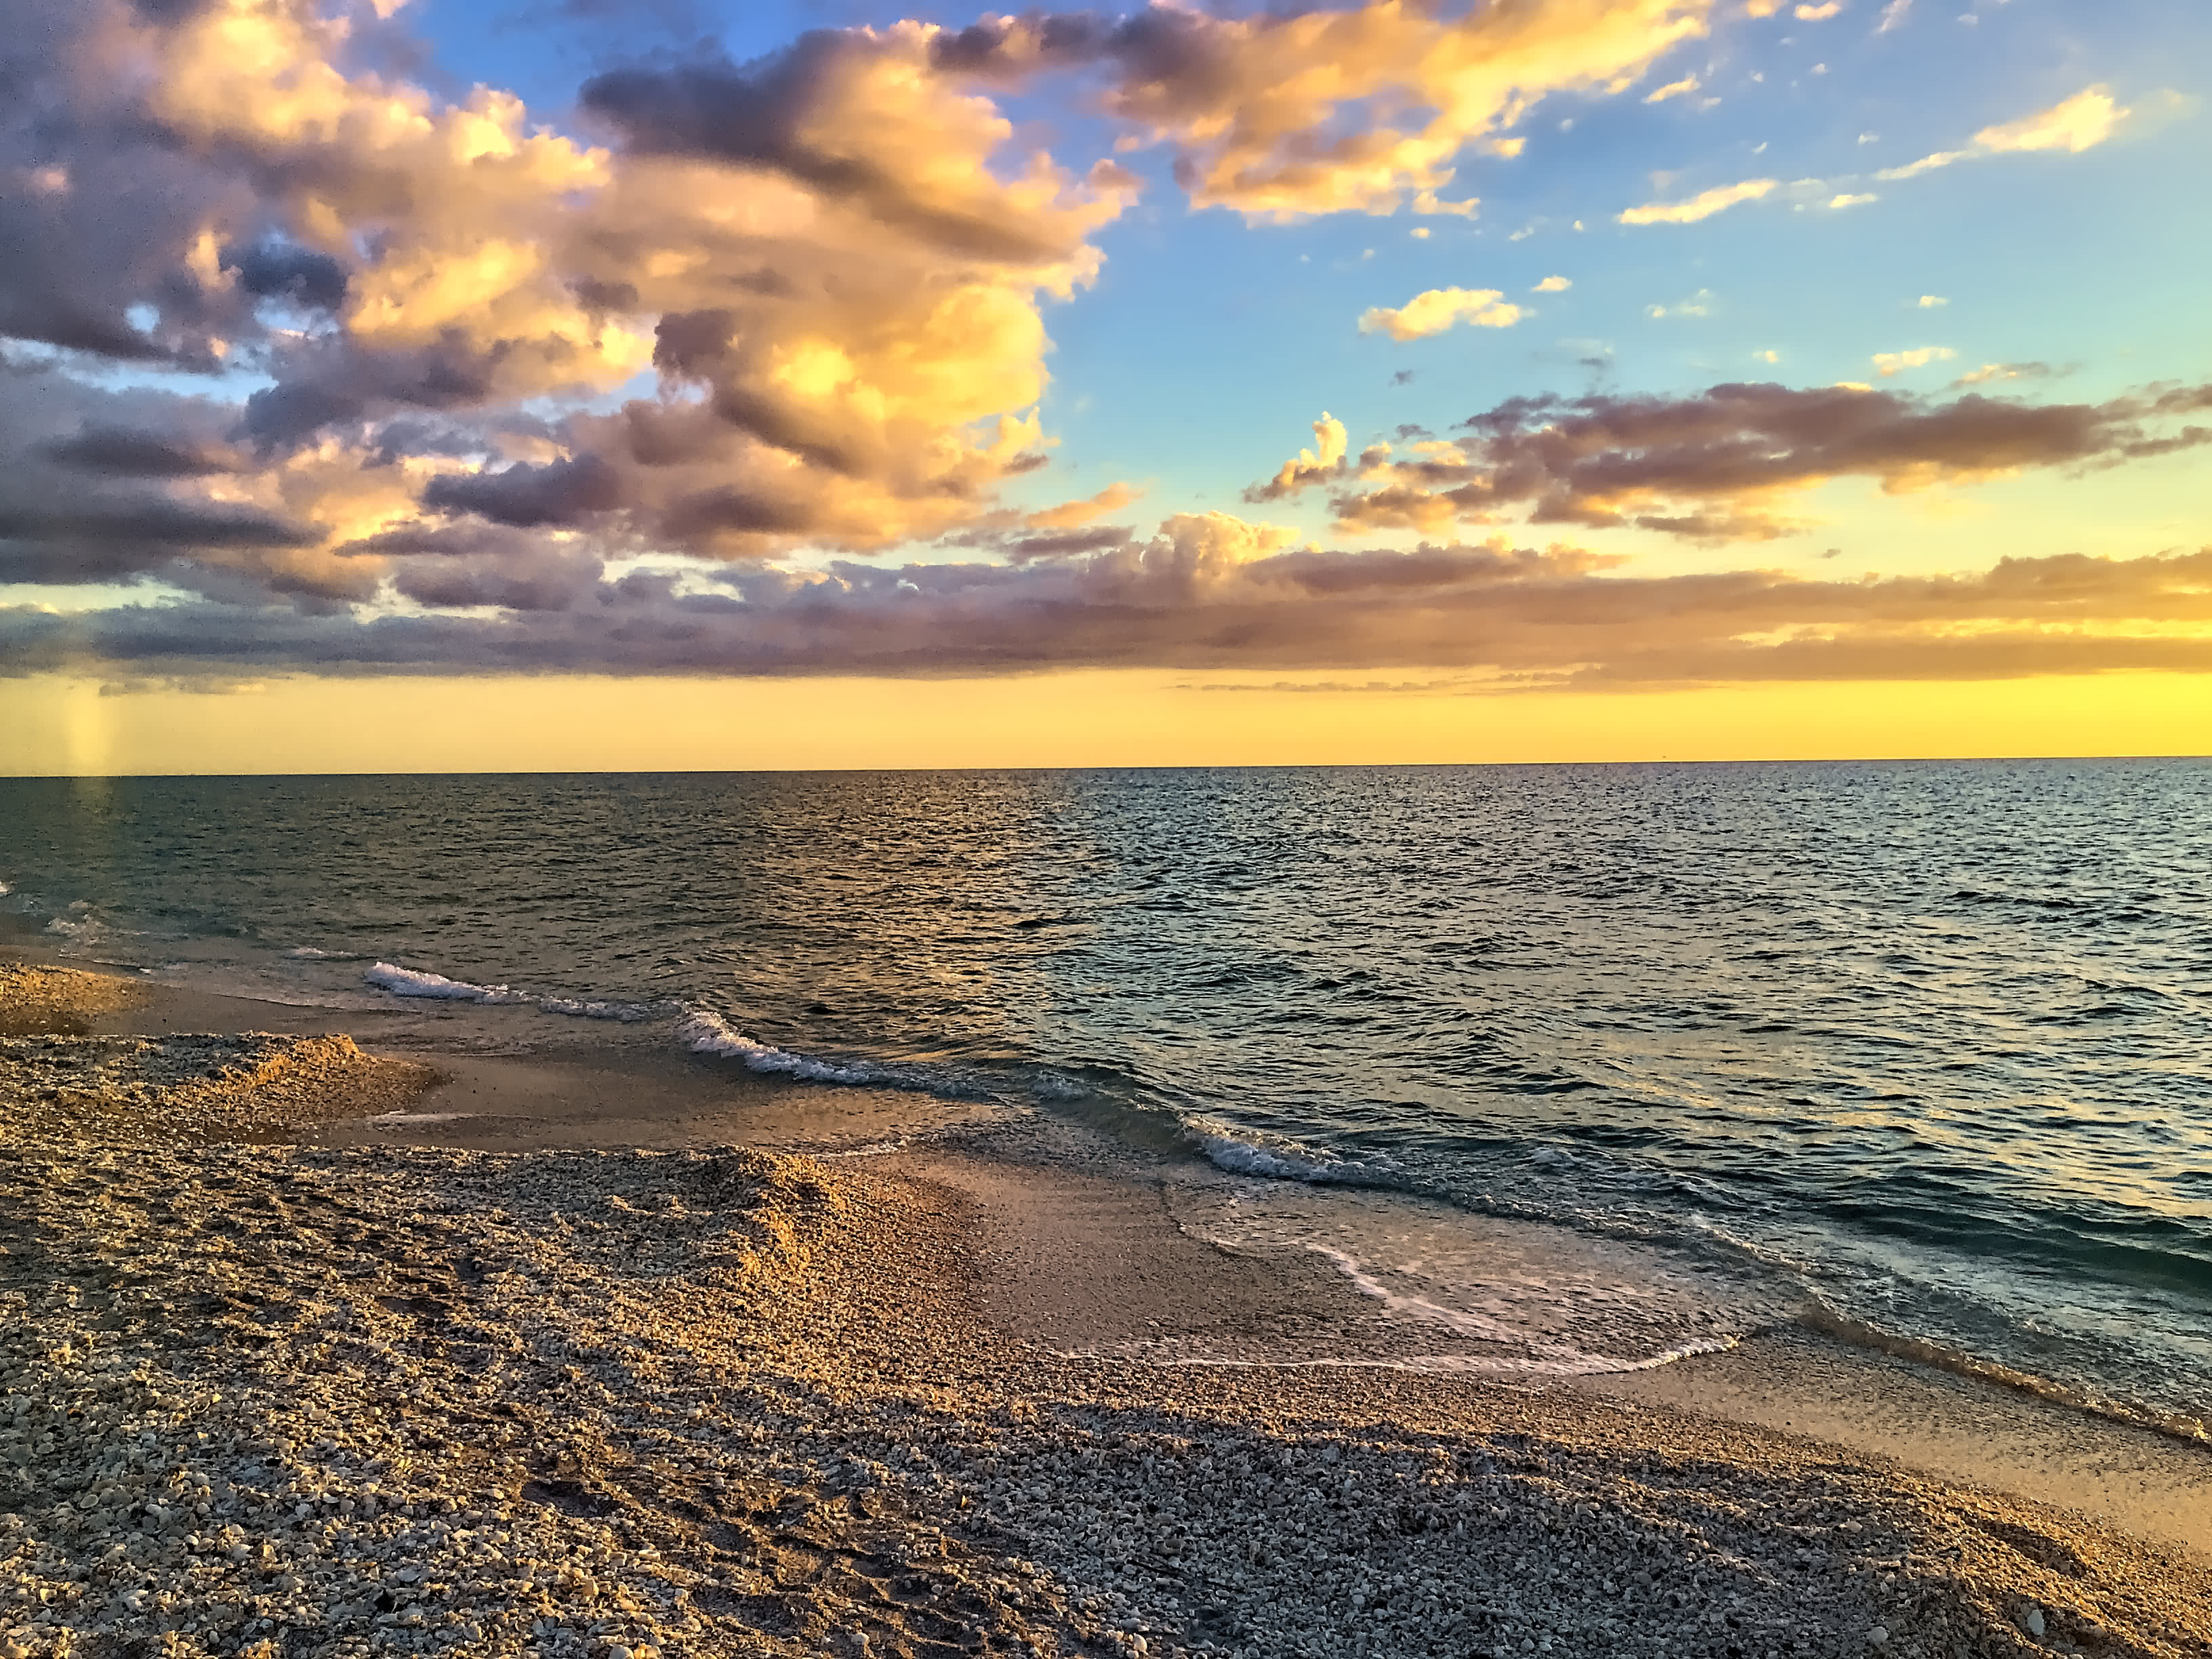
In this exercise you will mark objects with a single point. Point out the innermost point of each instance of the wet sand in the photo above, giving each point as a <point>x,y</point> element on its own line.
<point>377,1396</point>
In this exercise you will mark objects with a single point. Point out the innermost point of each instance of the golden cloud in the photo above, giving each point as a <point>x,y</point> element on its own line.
<point>1262,110</point>
<point>1437,309</point>
<point>2081,122</point>
<point>1703,205</point>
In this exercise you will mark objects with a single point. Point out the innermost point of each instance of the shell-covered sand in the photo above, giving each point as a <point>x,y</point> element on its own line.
<point>280,1401</point>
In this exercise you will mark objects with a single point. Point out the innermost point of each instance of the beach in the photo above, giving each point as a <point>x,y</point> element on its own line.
<point>279,1382</point>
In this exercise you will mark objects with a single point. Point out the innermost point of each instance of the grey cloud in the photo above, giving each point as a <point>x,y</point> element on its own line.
<point>119,451</point>
<point>517,586</point>
<point>765,115</point>
<point>1184,601</point>
<point>558,493</point>
<point>1067,543</point>
<point>172,526</point>
<point>1710,466</point>
<point>276,270</point>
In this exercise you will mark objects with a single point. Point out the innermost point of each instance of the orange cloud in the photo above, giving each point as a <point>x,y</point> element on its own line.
<point>1112,499</point>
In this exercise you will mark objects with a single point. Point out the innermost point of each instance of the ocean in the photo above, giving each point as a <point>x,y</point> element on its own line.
<point>1582,1067</point>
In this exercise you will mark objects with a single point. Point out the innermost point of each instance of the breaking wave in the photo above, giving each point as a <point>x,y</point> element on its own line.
<point>705,1032</point>
<point>412,982</point>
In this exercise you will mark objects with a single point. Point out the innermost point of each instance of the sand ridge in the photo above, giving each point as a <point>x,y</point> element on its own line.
<point>40,1000</point>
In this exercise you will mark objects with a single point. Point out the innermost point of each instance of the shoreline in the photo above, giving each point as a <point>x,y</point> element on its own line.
<point>904,1395</point>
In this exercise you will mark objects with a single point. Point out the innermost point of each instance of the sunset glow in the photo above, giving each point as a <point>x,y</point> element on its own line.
<point>1564,379</point>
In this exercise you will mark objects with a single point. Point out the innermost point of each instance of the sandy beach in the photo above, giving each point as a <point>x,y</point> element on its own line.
<point>313,1346</point>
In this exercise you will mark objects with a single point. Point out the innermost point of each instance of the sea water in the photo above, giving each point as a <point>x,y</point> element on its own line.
<point>1580,1067</point>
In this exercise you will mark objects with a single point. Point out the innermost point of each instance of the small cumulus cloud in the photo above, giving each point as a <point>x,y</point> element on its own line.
<point>1989,372</point>
<point>1820,14</point>
<point>1687,84</point>
<point>1931,302</point>
<point>1441,308</point>
<point>1770,356</point>
<point>1553,285</point>
<point>1894,363</point>
<point>1324,461</point>
<point>1703,205</point>
<point>1699,304</point>
<point>1849,200</point>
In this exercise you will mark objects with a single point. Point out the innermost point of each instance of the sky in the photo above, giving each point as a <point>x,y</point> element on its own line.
<point>424,385</point>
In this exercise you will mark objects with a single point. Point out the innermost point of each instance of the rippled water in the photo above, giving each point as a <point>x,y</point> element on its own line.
<point>1924,1046</point>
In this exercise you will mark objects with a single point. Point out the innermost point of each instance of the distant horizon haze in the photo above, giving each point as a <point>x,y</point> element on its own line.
<point>52,726</point>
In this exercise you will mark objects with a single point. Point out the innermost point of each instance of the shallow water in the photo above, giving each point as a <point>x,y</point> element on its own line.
<point>1922,1046</point>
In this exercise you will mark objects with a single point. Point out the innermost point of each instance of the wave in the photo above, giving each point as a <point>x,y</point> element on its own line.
<point>699,1030</point>
<point>412,982</point>
<point>1842,1328</point>
<point>416,982</point>
<point>1241,1151</point>
<point>629,1013</point>
<point>705,1032</point>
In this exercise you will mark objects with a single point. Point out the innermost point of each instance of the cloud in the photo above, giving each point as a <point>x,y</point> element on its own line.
<point>1820,14</point>
<point>635,398</point>
<point>1891,363</point>
<point>2080,123</point>
<point>1366,109</point>
<point>1725,463</point>
<point>835,262</point>
<point>1689,83</point>
<point>1324,462</point>
<point>119,452</point>
<point>1437,309</point>
<point>1699,304</point>
<point>1931,301</point>
<point>1703,205</point>
<point>1553,285</point>
<point>1989,372</point>
<point>1112,499</point>
<point>1209,593</point>
<point>1849,200</point>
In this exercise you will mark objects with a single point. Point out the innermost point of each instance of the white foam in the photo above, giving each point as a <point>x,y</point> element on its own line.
<point>628,1012</point>
<point>1539,1356</point>
<point>1278,1160</point>
<point>408,982</point>
<point>308,953</point>
<point>705,1032</point>
<point>404,1119</point>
